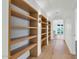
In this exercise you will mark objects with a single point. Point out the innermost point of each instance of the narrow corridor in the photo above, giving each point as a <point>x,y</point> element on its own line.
<point>56,50</point>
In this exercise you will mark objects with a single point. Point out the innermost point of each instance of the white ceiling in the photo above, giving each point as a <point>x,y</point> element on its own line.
<point>56,8</point>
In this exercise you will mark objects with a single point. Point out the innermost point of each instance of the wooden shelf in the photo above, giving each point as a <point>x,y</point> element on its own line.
<point>16,14</point>
<point>44,33</point>
<point>43,39</point>
<point>24,5</point>
<point>44,28</point>
<point>44,23</point>
<point>17,52</point>
<point>22,27</point>
<point>19,39</point>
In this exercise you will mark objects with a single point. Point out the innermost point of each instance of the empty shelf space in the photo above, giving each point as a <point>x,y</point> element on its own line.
<point>22,27</point>
<point>43,39</point>
<point>49,24</point>
<point>44,33</point>
<point>16,14</point>
<point>23,5</point>
<point>49,36</point>
<point>16,40</point>
<point>17,52</point>
<point>49,32</point>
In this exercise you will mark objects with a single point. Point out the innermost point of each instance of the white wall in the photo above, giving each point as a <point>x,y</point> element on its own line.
<point>51,29</point>
<point>70,33</point>
<point>5,26</point>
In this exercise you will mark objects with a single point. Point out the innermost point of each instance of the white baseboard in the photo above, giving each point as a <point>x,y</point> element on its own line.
<point>70,50</point>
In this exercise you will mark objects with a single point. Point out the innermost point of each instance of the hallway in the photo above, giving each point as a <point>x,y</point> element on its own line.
<point>36,29</point>
<point>56,50</point>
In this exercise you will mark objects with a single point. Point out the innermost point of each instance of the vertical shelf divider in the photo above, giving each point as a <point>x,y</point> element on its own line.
<point>34,52</point>
<point>39,34</point>
<point>49,30</point>
<point>44,32</point>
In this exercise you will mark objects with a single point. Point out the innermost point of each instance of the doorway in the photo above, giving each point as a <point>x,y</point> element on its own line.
<point>58,29</point>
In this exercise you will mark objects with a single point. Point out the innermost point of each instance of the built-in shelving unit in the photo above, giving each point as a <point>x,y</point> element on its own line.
<point>44,31</point>
<point>49,30</point>
<point>32,37</point>
<point>37,24</point>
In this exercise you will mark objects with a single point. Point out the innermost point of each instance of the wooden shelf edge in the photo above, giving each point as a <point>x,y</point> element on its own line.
<point>44,23</point>
<point>44,28</point>
<point>44,33</point>
<point>17,54</point>
<point>16,40</point>
<point>43,39</point>
<point>22,27</point>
